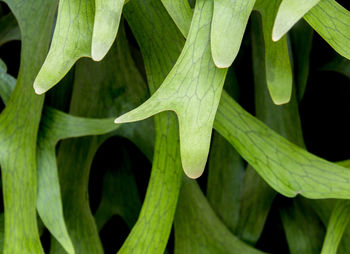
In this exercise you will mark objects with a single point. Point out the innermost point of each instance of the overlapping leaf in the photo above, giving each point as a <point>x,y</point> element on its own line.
<point>289,13</point>
<point>230,19</point>
<point>193,93</point>
<point>83,29</point>
<point>277,63</point>
<point>199,230</point>
<point>332,22</point>
<point>19,123</point>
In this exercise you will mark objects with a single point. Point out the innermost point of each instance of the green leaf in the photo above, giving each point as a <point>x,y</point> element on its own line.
<point>289,13</point>
<point>303,228</point>
<point>230,19</point>
<point>83,29</point>
<point>283,119</point>
<point>337,224</point>
<point>19,123</point>
<point>9,30</point>
<point>71,40</point>
<point>192,93</point>
<point>253,213</point>
<point>55,126</point>
<point>120,88</point>
<point>7,83</point>
<point>107,18</point>
<point>181,13</point>
<point>156,34</point>
<point>286,167</point>
<point>278,68</point>
<point>332,22</point>
<point>199,230</point>
<point>225,179</point>
<point>301,36</point>
<point>338,64</point>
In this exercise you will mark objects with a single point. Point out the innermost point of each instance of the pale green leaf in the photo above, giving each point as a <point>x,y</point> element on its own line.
<point>286,167</point>
<point>332,22</point>
<point>71,40</point>
<point>278,68</point>
<point>106,23</point>
<point>230,19</point>
<point>83,29</point>
<point>289,13</point>
<point>193,93</point>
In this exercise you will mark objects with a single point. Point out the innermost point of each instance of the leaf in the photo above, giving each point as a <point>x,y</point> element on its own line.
<point>7,83</point>
<point>230,19</point>
<point>337,224</point>
<point>225,179</point>
<point>149,19</point>
<point>192,93</point>
<point>81,31</point>
<point>286,167</point>
<point>289,13</point>
<point>181,13</point>
<point>332,22</point>
<point>71,40</point>
<point>253,213</point>
<point>301,36</point>
<point>338,64</point>
<point>283,119</point>
<point>303,228</point>
<point>9,30</point>
<point>55,126</point>
<point>106,23</point>
<point>119,90</point>
<point>19,123</point>
<point>199,230</point>
<point>278,68</point>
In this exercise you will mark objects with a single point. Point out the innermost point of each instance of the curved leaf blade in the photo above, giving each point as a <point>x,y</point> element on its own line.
<point>181,13</point>
<point>337,224</point>
<point>192,93</point>
<point>332,21</point>
<point>289,13</point>
<point>230,19</point>
<point>106,23</point>
<point>287,168</point>
<point>71,40</point>
<point>277,63</point>
<point>199,230</point>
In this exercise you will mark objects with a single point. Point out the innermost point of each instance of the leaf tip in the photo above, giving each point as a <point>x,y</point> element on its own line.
<point>97,53</point>
<point>194,174</point>
<point>38,89</point>
<point>276,36</point>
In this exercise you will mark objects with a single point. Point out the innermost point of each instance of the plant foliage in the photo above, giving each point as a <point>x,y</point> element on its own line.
<point>115,107</point>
